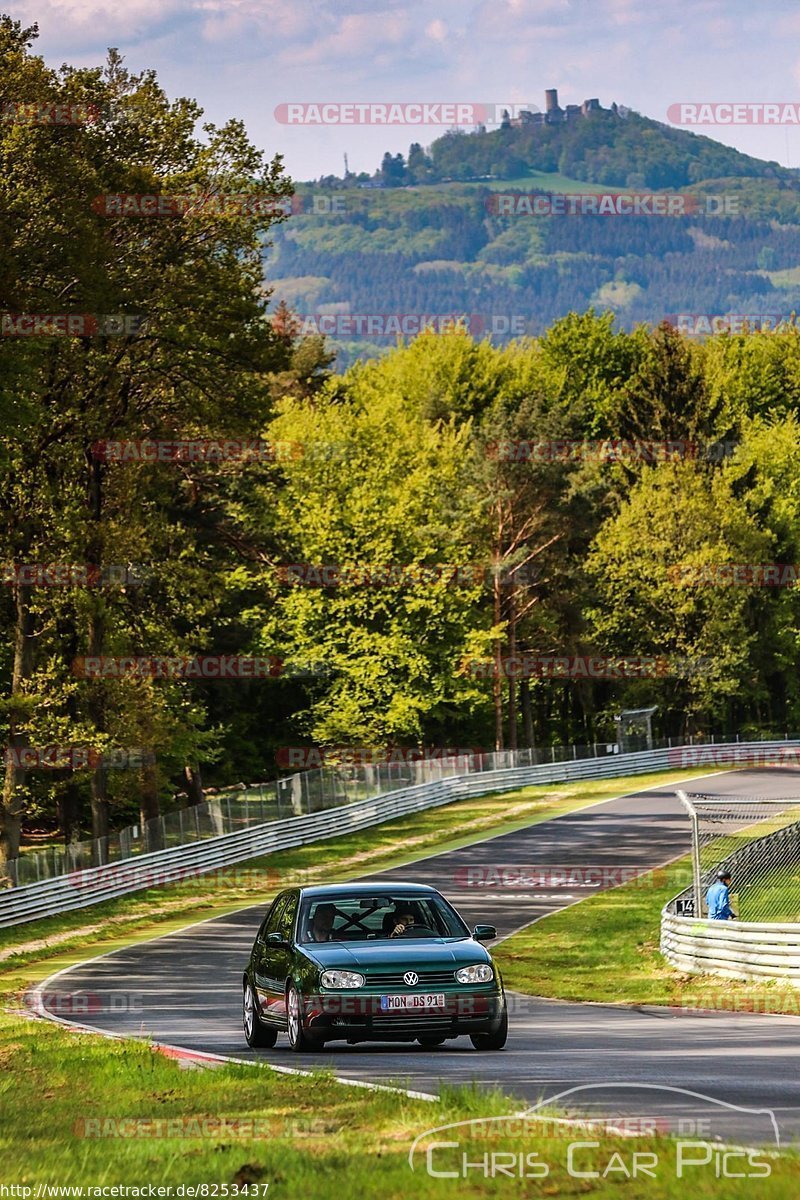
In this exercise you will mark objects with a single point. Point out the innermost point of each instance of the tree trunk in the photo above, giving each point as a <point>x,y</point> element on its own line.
<point>498,664</point>
<point>98,786</point>
<point>69,806</point>
<point>12,804</point>
<point>512,680</point>
<point>69,809</point>
<point>152,831</point>
<point>527,713</point>
<point>194,783</point>
<point>98,782</point>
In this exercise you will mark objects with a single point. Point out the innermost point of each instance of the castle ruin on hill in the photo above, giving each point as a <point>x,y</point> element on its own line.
<point>553,113</point>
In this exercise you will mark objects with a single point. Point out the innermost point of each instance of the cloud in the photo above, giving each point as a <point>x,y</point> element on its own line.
<point>280,21</point>
<point>97,23</point>
<point>436,31</point>
<point>363,42</point>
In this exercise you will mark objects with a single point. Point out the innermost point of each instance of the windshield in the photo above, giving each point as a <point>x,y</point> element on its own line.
<point>373,918</point>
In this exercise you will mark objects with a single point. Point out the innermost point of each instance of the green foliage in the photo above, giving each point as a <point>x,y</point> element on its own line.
<point>196,366</point>
<point>395,467</point>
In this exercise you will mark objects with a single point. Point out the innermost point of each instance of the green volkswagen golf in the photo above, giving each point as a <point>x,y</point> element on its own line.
<point>365,962</point>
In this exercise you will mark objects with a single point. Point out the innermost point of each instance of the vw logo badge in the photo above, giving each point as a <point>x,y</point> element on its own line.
<point>411,978</point>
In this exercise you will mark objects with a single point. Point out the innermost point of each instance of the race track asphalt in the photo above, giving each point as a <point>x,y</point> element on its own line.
<point>184,989</point>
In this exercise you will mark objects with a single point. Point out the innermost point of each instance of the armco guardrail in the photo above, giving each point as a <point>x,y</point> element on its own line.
<point>732,949</point>
<point>83,888</point>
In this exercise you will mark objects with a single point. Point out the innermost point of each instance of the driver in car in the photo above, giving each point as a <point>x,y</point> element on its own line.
<point>404,921</point>
<point>323,923</point>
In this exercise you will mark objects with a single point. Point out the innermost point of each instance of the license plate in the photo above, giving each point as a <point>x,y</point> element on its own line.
<point>414,1000</point>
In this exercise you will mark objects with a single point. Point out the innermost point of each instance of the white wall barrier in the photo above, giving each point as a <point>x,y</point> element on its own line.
<point>733,949</point>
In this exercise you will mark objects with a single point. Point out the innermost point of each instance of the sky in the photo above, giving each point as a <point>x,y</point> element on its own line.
<point>245,58</point>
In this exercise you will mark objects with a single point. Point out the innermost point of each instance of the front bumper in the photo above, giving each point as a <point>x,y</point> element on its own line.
<point>357,1016</point>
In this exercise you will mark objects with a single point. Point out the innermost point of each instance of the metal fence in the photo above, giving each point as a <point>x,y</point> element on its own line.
<point>757,840</point>
<point>234,809</point>
<point>479,775</point>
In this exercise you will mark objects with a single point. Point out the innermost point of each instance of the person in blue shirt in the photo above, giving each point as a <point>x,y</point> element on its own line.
<point>718,899</point>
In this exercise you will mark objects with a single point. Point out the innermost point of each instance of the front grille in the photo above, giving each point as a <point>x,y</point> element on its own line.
<point>427,980</point>
<point>406,1020</point>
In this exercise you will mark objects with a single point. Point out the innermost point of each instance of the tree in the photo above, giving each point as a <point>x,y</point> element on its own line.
<point>393,170</point>
<point>679,525</point>
<point>381,495</point>
<point>197,364</point>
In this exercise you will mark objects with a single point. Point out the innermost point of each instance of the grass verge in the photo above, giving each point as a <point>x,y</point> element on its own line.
<point>84,1111</point>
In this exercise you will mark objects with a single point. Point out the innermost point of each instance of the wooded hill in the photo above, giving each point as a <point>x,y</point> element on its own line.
<point>412,243</point>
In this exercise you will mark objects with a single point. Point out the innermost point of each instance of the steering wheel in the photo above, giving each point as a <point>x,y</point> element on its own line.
<point>409,931</point>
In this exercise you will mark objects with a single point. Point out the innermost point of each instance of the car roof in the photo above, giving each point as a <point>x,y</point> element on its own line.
<point>389,888</point>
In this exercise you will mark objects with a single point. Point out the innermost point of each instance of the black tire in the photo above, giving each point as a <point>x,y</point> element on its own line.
<point>431,1040</point>
<point>256,1034</point>
<point>299,1040</point>
<point>492,1041</point>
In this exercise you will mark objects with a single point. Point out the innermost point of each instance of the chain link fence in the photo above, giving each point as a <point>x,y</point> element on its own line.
<point>756,839</point>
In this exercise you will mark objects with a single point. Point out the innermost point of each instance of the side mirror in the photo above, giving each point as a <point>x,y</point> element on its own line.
<point>484,933</point>
<point>276,939</point>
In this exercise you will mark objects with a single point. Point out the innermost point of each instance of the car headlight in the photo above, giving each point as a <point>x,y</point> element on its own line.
<point>480,973</point>
<point>341,979</point>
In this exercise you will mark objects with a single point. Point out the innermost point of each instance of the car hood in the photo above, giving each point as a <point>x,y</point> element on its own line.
<point>428,954</point>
